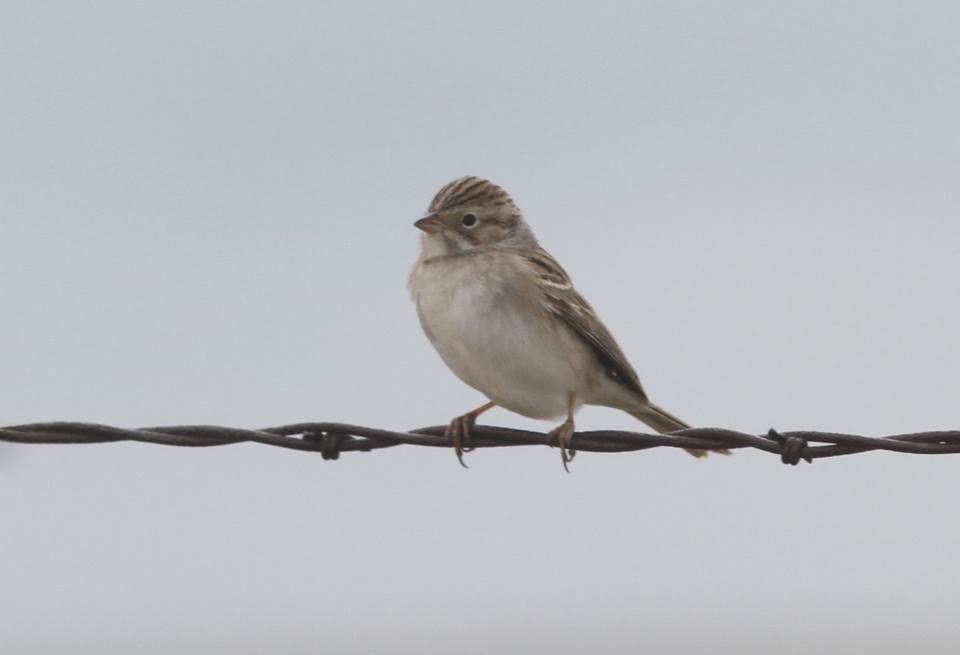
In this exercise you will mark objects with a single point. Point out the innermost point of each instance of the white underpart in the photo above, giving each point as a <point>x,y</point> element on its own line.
<point>486,320</point>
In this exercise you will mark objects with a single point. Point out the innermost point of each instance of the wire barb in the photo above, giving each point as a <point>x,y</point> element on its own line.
<point>332,439</point>
<point>329,443</point>
<point>792,448</point>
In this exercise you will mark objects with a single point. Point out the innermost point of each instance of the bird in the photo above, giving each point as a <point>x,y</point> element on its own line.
<point>505,318</point>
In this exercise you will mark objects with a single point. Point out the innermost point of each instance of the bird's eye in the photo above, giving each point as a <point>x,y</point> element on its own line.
<point>469,220</point>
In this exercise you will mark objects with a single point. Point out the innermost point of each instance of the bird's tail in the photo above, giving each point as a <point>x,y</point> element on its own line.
<point>663,421</point>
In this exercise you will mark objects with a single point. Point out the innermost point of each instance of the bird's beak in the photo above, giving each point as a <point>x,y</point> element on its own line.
<point>431,224</point>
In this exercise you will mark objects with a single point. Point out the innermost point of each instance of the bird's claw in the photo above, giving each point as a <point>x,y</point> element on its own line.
<point>459,432</point>
<point>563,434</point>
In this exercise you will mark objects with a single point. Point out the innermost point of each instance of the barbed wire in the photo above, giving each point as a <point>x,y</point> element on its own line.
<point>332,439</point>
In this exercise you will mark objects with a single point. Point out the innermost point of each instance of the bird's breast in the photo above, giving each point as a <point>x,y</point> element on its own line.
<point>497,338</point>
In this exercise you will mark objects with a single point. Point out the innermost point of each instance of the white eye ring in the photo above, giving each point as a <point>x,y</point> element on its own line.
<point>469,219</point>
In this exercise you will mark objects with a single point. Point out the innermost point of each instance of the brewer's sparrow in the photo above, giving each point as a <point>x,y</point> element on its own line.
<point>506,319</point>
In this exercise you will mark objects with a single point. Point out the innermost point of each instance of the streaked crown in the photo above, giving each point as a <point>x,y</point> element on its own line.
<point>470,191</point>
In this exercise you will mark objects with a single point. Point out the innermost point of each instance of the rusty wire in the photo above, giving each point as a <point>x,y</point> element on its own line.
<point>332,439</point>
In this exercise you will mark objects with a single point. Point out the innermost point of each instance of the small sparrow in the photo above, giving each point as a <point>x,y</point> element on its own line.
<point>505,318</point>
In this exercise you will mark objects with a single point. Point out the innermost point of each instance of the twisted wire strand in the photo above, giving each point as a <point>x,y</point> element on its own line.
<point>332,439</point>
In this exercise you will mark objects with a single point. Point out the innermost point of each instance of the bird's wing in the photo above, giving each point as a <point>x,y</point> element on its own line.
<point>563,301</point>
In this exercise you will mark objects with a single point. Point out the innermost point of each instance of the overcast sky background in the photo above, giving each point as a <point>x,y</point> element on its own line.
<point>206,218</point>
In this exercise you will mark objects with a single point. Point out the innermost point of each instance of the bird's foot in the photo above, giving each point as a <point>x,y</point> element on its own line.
<point>563,434</point>
<point>459,432</point>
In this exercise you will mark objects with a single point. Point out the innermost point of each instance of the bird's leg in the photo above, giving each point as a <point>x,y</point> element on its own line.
<point>460,429</point>
<point>564,432</point>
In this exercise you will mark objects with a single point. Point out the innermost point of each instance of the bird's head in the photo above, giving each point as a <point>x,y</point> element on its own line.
<point>471,213</point>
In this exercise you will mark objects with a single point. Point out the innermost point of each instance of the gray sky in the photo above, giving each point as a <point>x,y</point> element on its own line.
<point>206,218</point>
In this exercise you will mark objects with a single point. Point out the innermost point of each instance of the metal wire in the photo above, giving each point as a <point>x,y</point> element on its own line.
<point>332,439</point>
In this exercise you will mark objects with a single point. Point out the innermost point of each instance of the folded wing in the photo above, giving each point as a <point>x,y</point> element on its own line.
<point>563,301</point>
